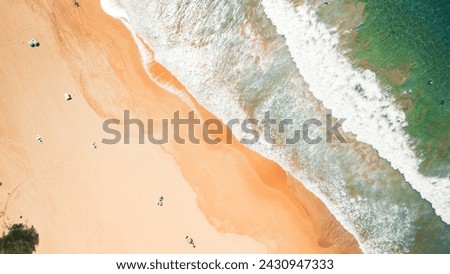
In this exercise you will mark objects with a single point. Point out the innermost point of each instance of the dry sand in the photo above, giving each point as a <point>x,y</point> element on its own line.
<point>85,200</point>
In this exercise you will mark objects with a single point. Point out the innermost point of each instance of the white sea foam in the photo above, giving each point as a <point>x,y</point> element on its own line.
<point>220,101</point>
<point>187,70</point>
<point>371,113</point>
<point>219,60</point>
<point>115,9</point>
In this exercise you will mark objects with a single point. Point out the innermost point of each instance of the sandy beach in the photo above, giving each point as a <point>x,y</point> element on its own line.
<point>82,199</point>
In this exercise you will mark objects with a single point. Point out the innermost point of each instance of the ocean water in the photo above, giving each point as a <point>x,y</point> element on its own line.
<point>240,59</point>
<point>407,44</point>
<point>417,35</point>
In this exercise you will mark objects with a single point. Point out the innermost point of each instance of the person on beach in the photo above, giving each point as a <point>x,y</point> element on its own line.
<point>76,4</point>
<point>34,43</point>
<point>190,241</point>
<point>94,145</point>
<point>67,96</point>
<point>160,201</point>
<point>39,138</point>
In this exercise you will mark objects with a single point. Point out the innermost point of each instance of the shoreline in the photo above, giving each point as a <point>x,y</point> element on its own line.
<point>115,10</point>
<point>82,203</point>
<point>110,7</point>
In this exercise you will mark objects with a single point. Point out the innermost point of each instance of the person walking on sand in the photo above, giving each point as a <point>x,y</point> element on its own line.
<point>160,201</point>
<point>76,4</point>
<point>190,241</point>
<point>39,138</point>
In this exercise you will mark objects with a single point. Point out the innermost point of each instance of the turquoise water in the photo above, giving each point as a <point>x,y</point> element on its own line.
<point>407,44</point>
<point>411,39</point>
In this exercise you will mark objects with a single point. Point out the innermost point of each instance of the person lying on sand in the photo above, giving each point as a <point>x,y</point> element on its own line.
<point>67,96</point>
